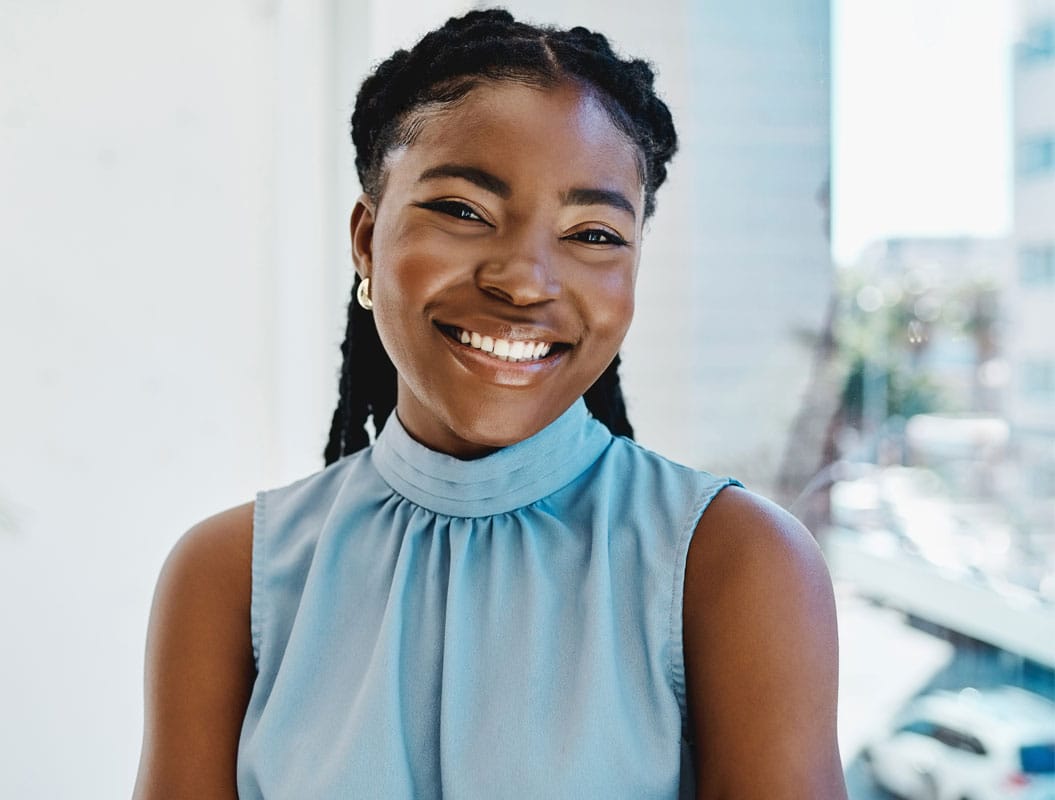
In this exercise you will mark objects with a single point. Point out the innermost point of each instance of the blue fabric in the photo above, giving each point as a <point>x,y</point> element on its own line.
<point>507,627</point>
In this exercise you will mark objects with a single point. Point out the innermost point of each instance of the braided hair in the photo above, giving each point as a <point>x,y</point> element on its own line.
<point>437,72</point>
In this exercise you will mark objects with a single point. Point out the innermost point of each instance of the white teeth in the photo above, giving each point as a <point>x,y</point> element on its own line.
<point>505,349</point>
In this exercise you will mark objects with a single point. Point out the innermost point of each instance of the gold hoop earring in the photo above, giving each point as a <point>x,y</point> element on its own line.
<point>362,294</point>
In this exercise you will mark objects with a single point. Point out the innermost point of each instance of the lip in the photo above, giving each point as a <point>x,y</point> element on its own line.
<point>505,373</point>
<point>505,330</point>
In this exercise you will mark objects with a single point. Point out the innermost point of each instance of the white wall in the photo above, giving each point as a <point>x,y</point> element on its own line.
<point>165,257</point>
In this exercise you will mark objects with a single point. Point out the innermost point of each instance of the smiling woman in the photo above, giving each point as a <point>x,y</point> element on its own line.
<point>510,217</point>
<point>503,595</point>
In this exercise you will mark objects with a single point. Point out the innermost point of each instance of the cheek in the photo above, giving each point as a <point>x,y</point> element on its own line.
<point>407,275</point>
<point>410,271</point>
<point>407,278</point>
<point>608,302</point>
<point>406,264</point>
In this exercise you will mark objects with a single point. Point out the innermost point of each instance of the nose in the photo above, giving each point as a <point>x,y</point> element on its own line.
<point>521,273</point>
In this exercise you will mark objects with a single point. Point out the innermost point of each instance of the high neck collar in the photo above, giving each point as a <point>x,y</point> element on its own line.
<point>507,479</point>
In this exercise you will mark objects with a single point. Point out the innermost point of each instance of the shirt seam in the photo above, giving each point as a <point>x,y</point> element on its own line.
<point>257,594</point>
<point>676,617</point>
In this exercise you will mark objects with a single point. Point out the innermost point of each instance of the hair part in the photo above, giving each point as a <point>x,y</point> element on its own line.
<point>404,91</point>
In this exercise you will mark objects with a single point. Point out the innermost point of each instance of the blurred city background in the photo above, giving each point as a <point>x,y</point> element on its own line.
<point>846,299</point>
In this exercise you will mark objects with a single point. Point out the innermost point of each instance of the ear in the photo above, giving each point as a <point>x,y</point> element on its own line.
<point>362,232</point>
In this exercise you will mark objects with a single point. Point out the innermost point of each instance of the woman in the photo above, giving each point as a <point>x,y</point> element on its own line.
<point>499,597</point>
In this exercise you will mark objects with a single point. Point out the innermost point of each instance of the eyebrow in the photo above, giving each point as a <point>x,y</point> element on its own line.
<point>495,185</point>
<point>485,180</point>
<point>595,197</point>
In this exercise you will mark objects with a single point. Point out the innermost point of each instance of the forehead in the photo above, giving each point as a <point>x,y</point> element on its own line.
<point>526,134</point>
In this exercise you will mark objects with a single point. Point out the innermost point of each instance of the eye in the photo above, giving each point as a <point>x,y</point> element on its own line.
<point>597,236</point>
<point>453,208</point>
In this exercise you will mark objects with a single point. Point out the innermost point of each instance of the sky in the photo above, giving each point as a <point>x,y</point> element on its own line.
<point>921,104</point>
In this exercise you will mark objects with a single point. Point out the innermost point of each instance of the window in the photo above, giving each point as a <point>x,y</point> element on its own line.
<point>1038,759</point>
<point>1038,379</point>
<point>958,740</point>
<point>1038,45</point>
<point>920,726</point>
<point>1036,265</point>
<point>1036,155</point>
<point>1041,480</point>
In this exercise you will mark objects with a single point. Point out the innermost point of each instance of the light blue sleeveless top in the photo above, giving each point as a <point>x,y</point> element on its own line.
<point>508,627</point>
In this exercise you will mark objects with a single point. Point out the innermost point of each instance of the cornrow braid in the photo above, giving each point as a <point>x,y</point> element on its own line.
<point>439,71</point>
<point>605,401</point>
<point>367,384</point>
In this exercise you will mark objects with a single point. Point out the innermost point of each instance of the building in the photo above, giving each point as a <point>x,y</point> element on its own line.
<point>957,287</point>
<point>1031,296</point>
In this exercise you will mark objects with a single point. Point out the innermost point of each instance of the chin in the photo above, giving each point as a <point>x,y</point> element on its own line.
<point>485,427</point>
<point>470,418</point>
<point>493,431</point>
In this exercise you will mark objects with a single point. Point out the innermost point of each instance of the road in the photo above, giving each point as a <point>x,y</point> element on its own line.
<point>887,658</point>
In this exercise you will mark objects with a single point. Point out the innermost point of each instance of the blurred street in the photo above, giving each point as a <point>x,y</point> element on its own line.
<point>886,660</point>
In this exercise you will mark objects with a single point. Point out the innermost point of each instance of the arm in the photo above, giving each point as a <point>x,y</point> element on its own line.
<point>761,655</point>
<point>199,662</point>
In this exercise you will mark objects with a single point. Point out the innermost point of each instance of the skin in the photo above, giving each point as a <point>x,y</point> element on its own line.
<point>538,240</point>
<point>507,254</point>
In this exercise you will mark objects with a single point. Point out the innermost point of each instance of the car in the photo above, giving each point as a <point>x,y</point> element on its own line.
<point>971,744</point>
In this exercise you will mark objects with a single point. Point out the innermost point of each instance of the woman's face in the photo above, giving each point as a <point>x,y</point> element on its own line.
<point>511,224</point>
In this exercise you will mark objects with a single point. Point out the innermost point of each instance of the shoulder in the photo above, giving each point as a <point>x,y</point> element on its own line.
<point>761,652</point>
<point>217,552</point>
<point>209,570</point>
<point>744,534</point>
<point>199,666</point>
<point>749,559</point>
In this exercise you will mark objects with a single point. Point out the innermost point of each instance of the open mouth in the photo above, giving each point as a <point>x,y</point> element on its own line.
<point>510,350</point>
